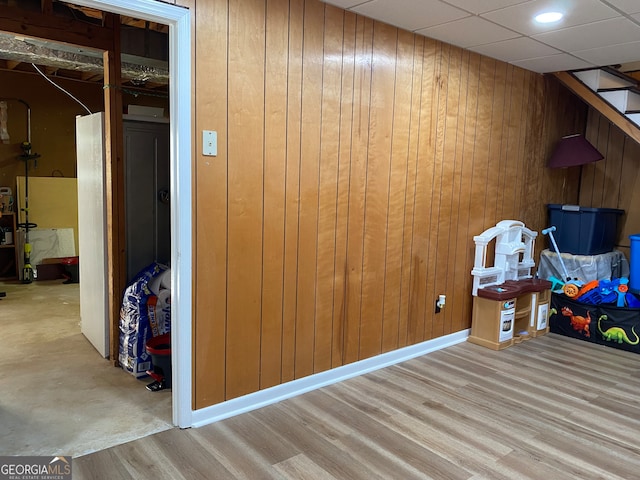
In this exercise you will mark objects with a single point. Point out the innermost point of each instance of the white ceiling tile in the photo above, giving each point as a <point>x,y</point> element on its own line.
<point>553,63</point>
<point>627,6</point>
<point>468,31</point>
<point>626,52</point>
<point>344,3</point>
<point>593,32</point>
<point>410,14</point>
<point>577,12</point>
<point>592,35</point>
<point>477,7</point>
<point>515,49</point>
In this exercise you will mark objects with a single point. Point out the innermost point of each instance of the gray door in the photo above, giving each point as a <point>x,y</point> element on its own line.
<point>148,218</point>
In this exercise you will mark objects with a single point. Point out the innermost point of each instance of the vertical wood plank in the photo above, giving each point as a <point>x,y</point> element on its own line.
<point>612,169</point>
<point>480,167</point>
<point>464,250</point>
<point>292,189</point>
<point>600,177</point>
<point>360,142</point>
<point>209,326</point>
<point>245,170</point>
<point>513,141</point>
<point>344,179</point>
<point>309,178</point>
<point>406,289</point>
<point>275,138</point>
<point>545,180</point>
<point>522,144</point>
<point>377,188</point>
<point>602,144</point>
<point>455,264</point>
<point>504,145</point>
<point>444,254</point>
<point>424,181</point>
<point>114,188</point>
<point>495,145</point>
<point>589,171</point>
<point>328,187</point>
<point>529,210</point>
<point>397,189</point>
<point>434,183</point>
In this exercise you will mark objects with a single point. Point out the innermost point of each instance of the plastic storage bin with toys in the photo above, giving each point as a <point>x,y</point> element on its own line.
<point>599,311</point>
<point>594,304</point>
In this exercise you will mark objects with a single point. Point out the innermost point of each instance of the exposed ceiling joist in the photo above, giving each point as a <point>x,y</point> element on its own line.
<point>129,21</point>
<point>87,62</point>
<point>58,29</point>
<point>67,40</point>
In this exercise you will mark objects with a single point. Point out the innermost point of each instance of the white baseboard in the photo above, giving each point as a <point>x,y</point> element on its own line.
<point>278,393</point>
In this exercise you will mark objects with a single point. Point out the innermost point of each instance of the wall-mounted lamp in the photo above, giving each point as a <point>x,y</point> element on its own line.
<point>573,150</point>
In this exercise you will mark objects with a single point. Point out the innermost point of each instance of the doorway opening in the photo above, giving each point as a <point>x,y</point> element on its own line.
<point>180,185</point>
<point>179,21</point>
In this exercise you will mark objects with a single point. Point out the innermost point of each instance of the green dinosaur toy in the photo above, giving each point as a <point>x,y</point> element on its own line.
<point>617,334</point>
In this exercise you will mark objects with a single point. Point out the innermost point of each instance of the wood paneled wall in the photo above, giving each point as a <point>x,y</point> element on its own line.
<point>614,181</point>
<point>355,164</point>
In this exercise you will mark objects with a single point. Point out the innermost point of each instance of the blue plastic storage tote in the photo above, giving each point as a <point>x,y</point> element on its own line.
<point>584,231</point>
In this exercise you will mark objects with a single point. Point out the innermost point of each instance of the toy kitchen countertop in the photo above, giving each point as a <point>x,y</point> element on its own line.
<point>514,288</point>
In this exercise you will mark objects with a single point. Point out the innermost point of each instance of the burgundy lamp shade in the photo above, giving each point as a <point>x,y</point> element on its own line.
<point>573,150</point>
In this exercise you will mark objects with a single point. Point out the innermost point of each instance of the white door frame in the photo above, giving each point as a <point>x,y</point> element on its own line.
<point>179,21</point>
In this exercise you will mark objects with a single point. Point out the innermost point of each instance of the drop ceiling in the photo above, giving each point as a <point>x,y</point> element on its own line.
<point>592,32</point>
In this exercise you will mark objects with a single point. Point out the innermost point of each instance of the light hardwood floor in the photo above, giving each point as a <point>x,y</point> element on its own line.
<point>550,408</point>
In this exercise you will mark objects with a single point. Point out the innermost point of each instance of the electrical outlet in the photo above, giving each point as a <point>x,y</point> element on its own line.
<point>440,301</point>
<point>209,143</point>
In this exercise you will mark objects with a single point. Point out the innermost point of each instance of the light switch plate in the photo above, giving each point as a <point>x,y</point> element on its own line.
<point>209,143</point>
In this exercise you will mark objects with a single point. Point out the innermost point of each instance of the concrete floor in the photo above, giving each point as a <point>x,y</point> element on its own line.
<point>57,395</point>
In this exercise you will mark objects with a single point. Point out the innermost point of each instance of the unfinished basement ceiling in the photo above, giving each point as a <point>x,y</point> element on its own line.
<point>144,49</point>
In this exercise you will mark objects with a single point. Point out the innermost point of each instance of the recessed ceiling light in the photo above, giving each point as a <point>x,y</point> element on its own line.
<point>548,17</point>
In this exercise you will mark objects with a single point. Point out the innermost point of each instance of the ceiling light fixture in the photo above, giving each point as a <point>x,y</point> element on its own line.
<point>548,17</point>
